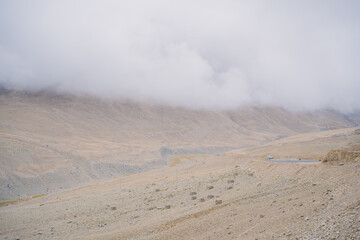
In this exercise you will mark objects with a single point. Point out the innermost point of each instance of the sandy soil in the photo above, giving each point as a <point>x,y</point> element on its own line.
<point>234,196</point>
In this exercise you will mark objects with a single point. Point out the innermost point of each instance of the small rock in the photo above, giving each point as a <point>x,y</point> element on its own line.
<point>258,184</point>
<point>40,232</point>
<point>314,184</point>
<point>261,216</point>
<point>289,199</point>
<point>306,218</point>
<point>113,208</point>
<point>229,188</point>
<point>217,202</point>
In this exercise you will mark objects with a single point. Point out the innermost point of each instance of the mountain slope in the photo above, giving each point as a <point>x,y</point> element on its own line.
<point>50,141</point>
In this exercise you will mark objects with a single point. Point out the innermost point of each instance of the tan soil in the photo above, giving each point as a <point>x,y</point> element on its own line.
<point>259,199</point>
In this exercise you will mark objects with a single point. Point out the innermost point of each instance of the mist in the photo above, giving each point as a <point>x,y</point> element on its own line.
<point>301,55</point>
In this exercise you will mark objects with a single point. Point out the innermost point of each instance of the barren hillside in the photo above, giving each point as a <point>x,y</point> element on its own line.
<point>50,142</point>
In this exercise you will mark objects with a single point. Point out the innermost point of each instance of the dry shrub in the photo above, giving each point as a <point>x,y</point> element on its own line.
<point>344,155</point>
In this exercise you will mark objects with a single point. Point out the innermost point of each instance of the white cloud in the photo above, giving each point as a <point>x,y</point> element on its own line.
<point>214,54</point>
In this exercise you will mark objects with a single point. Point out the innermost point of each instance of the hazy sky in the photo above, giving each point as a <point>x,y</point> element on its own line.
<point>302,55</point>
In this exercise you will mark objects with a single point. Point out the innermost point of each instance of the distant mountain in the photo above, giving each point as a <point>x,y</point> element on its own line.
<point>50,141</point>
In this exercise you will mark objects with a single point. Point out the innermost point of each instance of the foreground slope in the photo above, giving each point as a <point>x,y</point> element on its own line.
<point>234,196</point>
<point>50,141</point>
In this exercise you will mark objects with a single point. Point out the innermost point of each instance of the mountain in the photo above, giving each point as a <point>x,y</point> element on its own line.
<point>51,141</point>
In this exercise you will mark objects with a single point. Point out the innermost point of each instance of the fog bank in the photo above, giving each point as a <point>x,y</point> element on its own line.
<point>301,55</point>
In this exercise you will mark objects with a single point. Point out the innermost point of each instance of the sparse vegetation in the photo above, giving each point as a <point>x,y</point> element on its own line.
<point>178,158</point>
<point>21,199</point>
<point>345,155</point>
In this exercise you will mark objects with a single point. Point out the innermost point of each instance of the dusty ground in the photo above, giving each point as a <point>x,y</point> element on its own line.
<point>234,196</point>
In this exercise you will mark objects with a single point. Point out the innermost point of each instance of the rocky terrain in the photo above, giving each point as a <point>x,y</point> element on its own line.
<point>237,195</point>
<point>348,155</point>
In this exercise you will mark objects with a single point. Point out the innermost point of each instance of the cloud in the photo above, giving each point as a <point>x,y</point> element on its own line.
<point>302,55</point>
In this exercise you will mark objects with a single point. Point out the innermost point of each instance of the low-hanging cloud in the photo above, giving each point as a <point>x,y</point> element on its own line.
<point>301,55</point>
